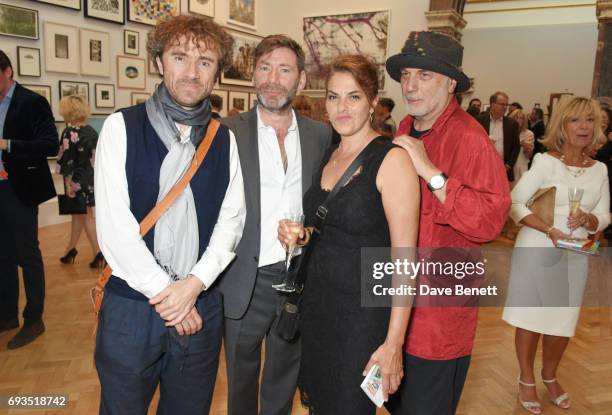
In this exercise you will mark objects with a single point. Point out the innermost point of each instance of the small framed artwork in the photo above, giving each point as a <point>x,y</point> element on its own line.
<point>28,61</point>
<point>223,95</point>
<point>109,10</point>
<point>105,95</point>
<point>241,70</point>
<point>61,48</point>
<point>252,100</point>
<point>69,4</point>
<point>242,13</point>
<point>95,53</point>
<point>18,22</point>
<point>239,101</point>
<point>139,97</point>
<point>68,88</point>
<point>131,72</point>
<point>131,40</point>
<point>44,90</point>
<point>153,70</point>
<point>203,7</point>
<point>150,12</point>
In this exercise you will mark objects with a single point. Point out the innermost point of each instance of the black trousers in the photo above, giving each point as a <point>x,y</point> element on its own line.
<point>429,387</point>
<point>19,247</point>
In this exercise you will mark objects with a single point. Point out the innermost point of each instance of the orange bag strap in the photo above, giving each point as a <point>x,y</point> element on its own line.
<point>153,216</point>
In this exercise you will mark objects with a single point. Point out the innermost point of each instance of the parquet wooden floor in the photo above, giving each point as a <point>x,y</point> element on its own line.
<point>60,361</point>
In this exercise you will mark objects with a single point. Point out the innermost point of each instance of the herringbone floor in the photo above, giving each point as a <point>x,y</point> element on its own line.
<point>60,361</point>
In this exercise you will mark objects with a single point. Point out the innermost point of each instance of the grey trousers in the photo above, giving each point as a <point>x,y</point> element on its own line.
<point>243,341</point>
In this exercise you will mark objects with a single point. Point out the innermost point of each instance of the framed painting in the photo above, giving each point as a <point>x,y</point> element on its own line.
<point>243,63</point>
<point>95,53</point>
<point>68,88</point>
<point>326,37</point>
<point>44,90</point>
<point>105,95</point>
<point>69,4</point>
<point>61,48</point>
<point>252,100</point>
<point>152,66</point>
<point>131,42</point>
<point>131,72</point>
<point>223,95</point>
<point>18,22</point>
<point>238,100</point>
<point>139,97</point>
<point>109,10</point>
<point>28,61</point>
<point>203,7</point>
<point>242,13</point>
<point>150,12</point>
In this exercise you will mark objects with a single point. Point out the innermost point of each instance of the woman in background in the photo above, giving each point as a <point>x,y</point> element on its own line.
<point>527,142</point>
<point>76,159</point>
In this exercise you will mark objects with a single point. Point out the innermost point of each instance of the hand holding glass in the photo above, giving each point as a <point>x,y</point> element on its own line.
<point>295,224</point>
<point>574,195</point>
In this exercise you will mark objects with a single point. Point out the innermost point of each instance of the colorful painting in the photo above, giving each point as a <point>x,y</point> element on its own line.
<point>242,13</point>
<point>151,11</point>
<point>326,37</point>
<point>243,59</point>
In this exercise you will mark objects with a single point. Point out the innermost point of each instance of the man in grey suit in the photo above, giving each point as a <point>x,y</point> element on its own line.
<point>280,152</point>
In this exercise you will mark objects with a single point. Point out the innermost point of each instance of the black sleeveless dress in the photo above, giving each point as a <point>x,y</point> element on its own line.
<point>338,335</point>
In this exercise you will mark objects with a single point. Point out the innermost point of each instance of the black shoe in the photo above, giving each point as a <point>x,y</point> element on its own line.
<point>69,257</point>
<point>98,261</point>
<point>28,333</point>
<point>8,324</point>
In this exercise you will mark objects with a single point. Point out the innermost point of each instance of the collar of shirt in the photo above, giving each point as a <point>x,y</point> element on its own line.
<point>261,124</point>
<point>496,121</point>
<point>440,122</point>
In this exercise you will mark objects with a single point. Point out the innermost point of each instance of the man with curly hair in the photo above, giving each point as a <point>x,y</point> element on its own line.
<point>161,320</point>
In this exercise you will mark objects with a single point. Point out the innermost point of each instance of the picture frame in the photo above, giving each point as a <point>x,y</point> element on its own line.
<point>28,61</point>
<point>238,100</point>
<point>67,88</point>
<point>252,99</point>
<point>18,22</point>
<point>61,48</point>
<point>67,4</point>
<point>152,66</point>
<point>139,97</point>
<point>96,121</point>
<point>202,7</point>
<point>107,10</point>
<point>131,72</point>
<point>224,96</point>
<point>131,42</point>
<point>242,13</point>
<point>105,95</point>
<point>149,13</point>
<point>44,90</point>
<point>241,70</point>
<point>95,53</point>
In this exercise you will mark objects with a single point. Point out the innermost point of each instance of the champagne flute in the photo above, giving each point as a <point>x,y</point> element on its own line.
<point>574,195</point>
<point>295,223</point>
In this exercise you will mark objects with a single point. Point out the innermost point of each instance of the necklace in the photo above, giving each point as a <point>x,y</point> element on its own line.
<point>580,171</point>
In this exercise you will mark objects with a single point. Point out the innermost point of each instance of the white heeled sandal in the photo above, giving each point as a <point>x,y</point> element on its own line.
<point>558,401</point>
<point>531,407</point>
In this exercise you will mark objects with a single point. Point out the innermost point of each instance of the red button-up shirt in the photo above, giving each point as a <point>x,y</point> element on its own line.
<point>476,207</point>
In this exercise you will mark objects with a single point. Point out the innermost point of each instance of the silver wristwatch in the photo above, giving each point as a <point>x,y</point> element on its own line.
<point>437,182</point>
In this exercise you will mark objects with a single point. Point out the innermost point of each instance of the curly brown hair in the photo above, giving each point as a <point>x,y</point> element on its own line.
<point>199,30</point>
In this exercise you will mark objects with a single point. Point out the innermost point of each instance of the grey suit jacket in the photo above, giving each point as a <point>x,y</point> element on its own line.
<point>238,281</point>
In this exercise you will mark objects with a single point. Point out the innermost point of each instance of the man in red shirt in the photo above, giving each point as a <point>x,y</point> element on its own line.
<point>465,201</point>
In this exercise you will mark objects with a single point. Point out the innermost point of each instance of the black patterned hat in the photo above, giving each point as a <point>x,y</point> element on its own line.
<point>432,51</point>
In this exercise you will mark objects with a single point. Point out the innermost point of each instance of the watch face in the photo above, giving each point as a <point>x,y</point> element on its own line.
<point>437,182</point>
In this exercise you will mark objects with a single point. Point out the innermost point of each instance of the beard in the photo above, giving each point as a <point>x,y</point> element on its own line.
<point>277,104</point>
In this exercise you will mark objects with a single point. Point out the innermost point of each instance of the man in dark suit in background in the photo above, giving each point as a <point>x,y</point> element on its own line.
<point>280,151</point>
<point>27,137</point>
<point>503,132</point>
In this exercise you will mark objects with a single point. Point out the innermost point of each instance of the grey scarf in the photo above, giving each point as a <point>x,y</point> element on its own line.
<point>176,232</point>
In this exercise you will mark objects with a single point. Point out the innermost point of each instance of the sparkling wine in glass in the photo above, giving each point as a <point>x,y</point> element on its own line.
<point>295,223</point>
<point>574,195</point>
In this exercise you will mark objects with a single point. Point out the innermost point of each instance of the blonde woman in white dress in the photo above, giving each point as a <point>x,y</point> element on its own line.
<point>541,277</point>
<point>526,139</point>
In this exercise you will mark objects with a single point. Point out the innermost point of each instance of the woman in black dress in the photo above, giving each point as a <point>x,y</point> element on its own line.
<point>378,207</point>
<point>76,160</point>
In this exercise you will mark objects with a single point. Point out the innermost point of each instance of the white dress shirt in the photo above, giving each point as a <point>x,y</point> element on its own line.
<point>280,193</point>
<point>119,232</point>
<point>496,132</point>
